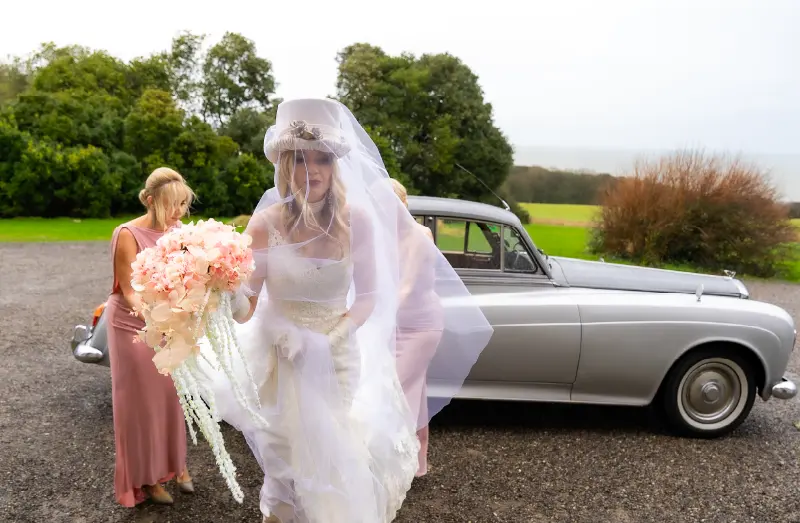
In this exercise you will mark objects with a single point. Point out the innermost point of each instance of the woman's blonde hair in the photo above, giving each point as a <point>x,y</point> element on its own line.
<point>296,209</point>
<point>400,191</point>
<point>163,190</point>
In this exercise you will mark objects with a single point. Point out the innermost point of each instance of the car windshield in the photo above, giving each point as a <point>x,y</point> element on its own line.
<point>517,257</point>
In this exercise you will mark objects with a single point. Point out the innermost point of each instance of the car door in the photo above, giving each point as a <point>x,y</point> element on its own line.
<point>537,330</point>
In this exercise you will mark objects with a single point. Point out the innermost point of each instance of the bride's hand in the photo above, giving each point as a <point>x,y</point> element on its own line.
<point>240,305</point>
<point>342,330</point>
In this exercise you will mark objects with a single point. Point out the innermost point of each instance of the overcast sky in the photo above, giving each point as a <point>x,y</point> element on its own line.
<point>597,73</point>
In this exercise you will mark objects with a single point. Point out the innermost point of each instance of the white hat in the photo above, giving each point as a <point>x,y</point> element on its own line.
<point>306,124</point>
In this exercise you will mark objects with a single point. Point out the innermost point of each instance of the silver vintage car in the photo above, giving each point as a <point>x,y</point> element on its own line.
<point>693,346</point>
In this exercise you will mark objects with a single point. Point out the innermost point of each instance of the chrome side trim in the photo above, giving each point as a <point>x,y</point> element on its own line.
<point>498,325</point>
<point>500,280</point>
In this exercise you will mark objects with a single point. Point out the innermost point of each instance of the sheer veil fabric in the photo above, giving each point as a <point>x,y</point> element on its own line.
<point>336,438</point>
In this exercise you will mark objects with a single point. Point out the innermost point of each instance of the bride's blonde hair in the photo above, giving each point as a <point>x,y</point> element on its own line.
<point>297,208</point>
<point>164,190</point>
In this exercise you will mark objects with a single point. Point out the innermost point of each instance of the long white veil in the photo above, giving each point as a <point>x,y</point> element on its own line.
<point>321,342</point>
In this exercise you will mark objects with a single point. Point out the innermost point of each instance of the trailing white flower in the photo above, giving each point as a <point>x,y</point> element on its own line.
<point>197,399</point>
<point>182,285</point>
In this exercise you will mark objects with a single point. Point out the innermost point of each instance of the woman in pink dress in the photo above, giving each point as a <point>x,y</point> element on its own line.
<point>149,427</point>
<point>420,323</point>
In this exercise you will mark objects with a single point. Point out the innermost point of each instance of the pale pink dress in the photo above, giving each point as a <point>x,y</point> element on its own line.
<point>420,322</point>
<point>149,427</point>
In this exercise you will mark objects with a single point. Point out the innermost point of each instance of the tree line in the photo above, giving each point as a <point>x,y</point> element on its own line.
<point>81,129</point>
<point>534,184</point>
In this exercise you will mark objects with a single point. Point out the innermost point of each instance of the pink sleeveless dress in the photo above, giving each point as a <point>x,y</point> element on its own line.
<point>149,427</point>
<point>420,322</point>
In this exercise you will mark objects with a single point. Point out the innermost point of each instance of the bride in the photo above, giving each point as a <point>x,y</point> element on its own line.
<point>336,438</point>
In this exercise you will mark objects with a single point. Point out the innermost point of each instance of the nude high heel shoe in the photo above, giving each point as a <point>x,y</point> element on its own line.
<point>158,494</point>
<point>185,484</point>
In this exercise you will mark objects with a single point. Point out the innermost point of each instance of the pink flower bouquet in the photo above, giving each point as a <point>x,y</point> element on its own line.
<point>183,286</point>
<point>179,283</point>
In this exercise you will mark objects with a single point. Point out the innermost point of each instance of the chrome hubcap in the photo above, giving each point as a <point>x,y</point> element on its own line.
<point>711,390</point>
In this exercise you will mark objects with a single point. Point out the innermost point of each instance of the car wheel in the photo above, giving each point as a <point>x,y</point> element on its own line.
<point>709,393</point>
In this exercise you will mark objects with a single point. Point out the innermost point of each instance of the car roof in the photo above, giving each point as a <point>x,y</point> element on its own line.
<point>431,205</point>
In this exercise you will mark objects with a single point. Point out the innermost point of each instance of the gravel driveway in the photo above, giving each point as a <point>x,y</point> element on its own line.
<point>490,462</point>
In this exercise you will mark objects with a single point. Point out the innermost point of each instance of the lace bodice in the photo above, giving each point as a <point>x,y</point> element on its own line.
<point>308,292</point>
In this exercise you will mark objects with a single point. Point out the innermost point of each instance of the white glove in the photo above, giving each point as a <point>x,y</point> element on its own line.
<point>342,331</point>
<point>240,305</point>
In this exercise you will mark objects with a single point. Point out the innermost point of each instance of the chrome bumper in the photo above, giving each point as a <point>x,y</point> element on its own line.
<point>81,350</point>
<point>784,390</point>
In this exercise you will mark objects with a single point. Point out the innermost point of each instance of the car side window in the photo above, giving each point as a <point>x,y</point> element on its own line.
<point>427,221</point>
<point>517,258</point>
<point>469,244</point>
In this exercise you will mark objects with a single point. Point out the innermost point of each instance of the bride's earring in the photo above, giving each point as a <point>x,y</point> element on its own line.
<point>330,199</point>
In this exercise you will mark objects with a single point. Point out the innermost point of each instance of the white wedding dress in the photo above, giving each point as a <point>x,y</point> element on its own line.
<point>340,444</point>
<point>328,419</point>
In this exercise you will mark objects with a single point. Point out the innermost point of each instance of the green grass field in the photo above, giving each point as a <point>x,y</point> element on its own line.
<point>571,240</point>
<point>561,240</point>
<point>561,214</point>
<point>560,230</point>
<point>57,229</point>
<point>63,229</point>
<point>578,215</point>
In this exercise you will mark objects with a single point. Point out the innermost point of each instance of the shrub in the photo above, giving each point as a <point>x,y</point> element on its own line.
<point>794,210</point>
<point>689,208</point>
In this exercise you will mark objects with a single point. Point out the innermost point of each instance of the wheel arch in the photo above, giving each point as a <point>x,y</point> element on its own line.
<point>737,346</point>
